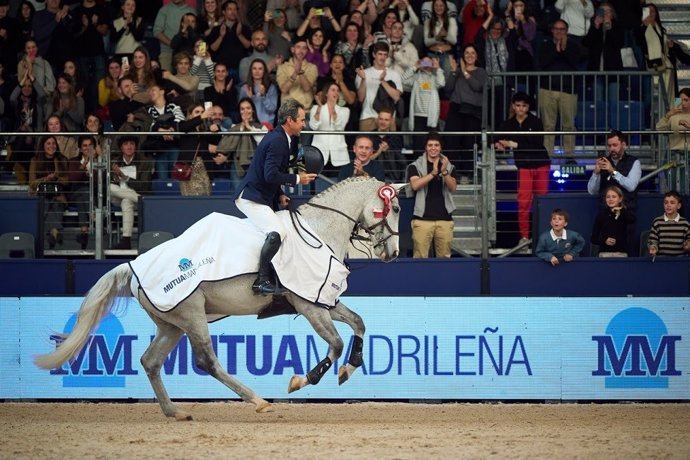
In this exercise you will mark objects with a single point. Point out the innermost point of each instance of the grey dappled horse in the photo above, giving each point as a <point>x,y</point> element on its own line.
<point>335,215</point>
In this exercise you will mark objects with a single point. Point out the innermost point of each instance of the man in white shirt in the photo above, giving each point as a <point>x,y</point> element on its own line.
<point>369,81</point>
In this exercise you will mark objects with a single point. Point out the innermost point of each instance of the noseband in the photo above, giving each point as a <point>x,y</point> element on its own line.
<point>354,235</point>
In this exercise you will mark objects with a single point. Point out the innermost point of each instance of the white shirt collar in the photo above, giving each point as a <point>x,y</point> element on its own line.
<point>676,219</point>
<point>554,237</point>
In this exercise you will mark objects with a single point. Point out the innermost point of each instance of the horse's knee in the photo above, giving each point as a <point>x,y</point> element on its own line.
<point>204,362</point>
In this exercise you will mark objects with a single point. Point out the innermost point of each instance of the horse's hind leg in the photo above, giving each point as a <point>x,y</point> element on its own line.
<point>153,358</point>
<point>343,314</point>
<point>207,360</point>
<point>320,320</point>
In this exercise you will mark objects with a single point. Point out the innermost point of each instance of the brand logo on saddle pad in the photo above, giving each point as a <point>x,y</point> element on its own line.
<point>104,361</point>
<point>637,351</point>
<point>188,269</point>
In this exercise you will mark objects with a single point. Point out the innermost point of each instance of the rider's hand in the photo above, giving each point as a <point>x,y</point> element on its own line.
<point>305,177</point>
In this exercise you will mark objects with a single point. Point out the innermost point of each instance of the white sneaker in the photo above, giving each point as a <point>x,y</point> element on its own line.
<point>465,180</point>
<point>523,241</point>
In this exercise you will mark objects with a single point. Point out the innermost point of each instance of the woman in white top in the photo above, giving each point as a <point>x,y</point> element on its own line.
<point>327,115</point>
<point>440,34</point>
<point>127,30</point>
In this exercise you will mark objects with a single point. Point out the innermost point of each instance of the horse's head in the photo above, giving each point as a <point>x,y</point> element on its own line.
<point>380,219</point>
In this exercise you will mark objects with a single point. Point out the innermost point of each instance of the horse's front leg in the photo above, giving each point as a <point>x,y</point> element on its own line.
<point>320,320</point>
<point>343,314</point>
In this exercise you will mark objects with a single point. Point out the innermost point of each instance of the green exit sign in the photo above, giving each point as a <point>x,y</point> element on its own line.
<point>573,170</point>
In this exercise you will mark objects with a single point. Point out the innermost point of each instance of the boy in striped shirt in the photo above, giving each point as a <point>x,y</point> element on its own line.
<point>670,233</point>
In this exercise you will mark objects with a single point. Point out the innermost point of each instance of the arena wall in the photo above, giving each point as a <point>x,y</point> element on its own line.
<point>437,348</point>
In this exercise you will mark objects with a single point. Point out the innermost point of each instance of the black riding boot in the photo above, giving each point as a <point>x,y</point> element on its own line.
<point>264,284</point>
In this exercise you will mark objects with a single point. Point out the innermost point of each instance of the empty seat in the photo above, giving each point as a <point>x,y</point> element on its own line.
<point>165,187</point>
<point>148,240</point>
<point>17,245</point>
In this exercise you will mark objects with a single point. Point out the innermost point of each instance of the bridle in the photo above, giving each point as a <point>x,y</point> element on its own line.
<point>386,193</point>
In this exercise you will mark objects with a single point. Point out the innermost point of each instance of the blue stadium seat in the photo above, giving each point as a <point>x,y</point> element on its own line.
<point>222,187</point>
<point>165,187</point>
<point>628,116</point>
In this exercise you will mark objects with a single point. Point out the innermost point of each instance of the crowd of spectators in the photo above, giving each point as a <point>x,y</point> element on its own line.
<point>371,65</point>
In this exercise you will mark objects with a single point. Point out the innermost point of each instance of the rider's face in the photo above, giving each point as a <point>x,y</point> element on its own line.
<point>294,126</point>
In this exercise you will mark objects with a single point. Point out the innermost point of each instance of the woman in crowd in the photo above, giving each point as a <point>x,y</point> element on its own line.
<point>262,91</point>
<point>141,72</point>
<point>28,102</point>
<point>127,30</point>
<point>279,38</point>
<point>385,25</point>
<point>235,152</point>
<point>292,11</point>
<point>407,16</point>
<point>465,85</point>
<point>66,104</point>
<point>319,18</point>
<point>202,67</point>
<point>403,54</point>
<point>108,88</point>
<point>519,18</point>
<point>67,145</point>
<point>440,34</point>
<point>182,85</point>
<point>47,177</point>
<point>211,16</point>
<point>36,67</point>
<point>222,91</point>
<point>70,68</point>
<point>192,150</point>
<point>353,49</point>
<point>327,115</point>
<point>80,186</point>
<point>317,52</point>
<point>25,18</point>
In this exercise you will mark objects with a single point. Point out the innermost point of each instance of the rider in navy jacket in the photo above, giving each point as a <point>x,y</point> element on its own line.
<point>260,193</point>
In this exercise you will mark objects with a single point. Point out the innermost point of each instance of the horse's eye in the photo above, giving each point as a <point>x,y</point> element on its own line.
<point>396,209</point>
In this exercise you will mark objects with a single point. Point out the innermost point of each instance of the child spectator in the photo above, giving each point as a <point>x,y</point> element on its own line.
<point>670,233</point>
<point>610,229</point>
<point>557,244</point>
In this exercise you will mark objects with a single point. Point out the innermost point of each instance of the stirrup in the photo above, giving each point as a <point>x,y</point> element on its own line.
<point>266,287</point>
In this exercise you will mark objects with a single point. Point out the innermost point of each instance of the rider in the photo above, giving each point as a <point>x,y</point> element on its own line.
<point>260,194</point>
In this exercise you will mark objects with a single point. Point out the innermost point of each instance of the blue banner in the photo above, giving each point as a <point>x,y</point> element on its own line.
<point>415,348</point>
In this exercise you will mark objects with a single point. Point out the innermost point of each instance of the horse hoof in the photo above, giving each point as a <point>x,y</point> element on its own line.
<point>343,376</point>
<point>182,417</point>
<point>295,383</point>
<point>264,408</point>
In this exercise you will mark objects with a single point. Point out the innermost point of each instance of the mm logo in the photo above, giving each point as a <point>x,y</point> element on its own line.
<point>104,361</point>
<point>185,264</point>
<point>637,351</point>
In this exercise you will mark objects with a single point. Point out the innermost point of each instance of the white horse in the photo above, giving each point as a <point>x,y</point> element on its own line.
<point>336,215</point>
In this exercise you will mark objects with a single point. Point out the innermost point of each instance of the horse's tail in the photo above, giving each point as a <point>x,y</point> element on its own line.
<point>98,302</point>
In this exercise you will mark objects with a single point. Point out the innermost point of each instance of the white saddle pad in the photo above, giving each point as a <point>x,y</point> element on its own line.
<point>220,247</point>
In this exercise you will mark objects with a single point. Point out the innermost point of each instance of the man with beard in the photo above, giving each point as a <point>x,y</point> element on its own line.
<point>259,46</point>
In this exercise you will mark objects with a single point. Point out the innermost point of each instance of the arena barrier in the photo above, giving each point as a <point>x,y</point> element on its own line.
<point>435,348</point>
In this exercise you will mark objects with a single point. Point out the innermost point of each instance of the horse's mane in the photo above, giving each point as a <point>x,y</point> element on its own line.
<point>343,184</point>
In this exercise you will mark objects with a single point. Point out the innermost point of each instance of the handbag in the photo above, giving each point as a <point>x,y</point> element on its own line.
<point>628,58</point>
<point>182,170</point>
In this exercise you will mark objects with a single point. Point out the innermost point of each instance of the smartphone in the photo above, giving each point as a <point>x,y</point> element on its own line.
<point>208,105</point>
<point>202,49</point>
<point>125,61</point>
<point>318,11</point>
<point>645,13</point>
